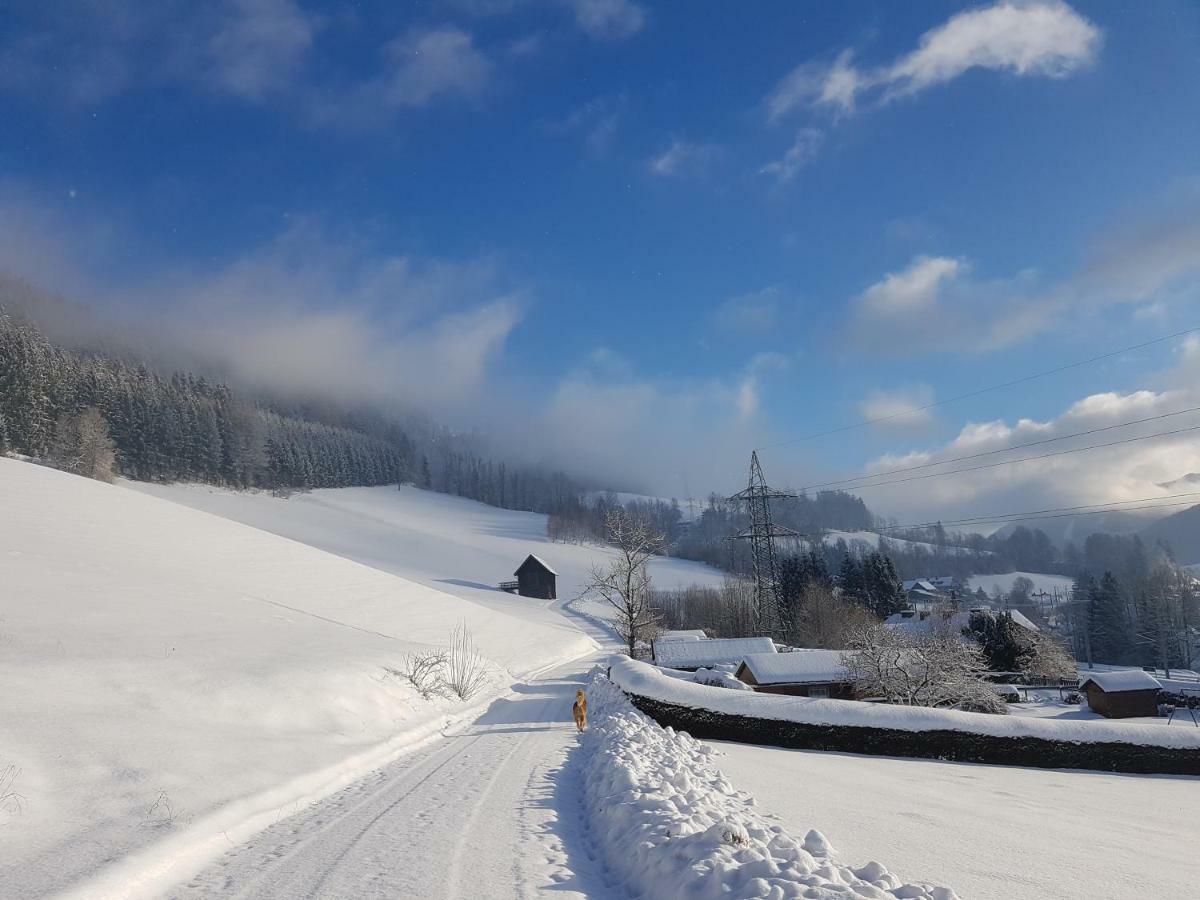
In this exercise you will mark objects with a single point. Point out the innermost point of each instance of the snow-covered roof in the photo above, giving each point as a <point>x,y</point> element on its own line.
<point>682,634</point>
<point>1021,619</point>
<point>1126,680</point>
<point>694,654</point>
<point>954,623</point>
<point>796,667</point>
<point>545,565</point>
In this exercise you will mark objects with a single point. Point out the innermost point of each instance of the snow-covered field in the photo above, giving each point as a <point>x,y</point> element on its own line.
<point>174,680</point>
<point>178,685</point>
<point>449,543</point>
<point>991,832</point>
<point>871,539</point>
<point>1041,582</point>
<point>169,674</point>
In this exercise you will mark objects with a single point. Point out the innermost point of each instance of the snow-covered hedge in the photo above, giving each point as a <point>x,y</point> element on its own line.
<point>648,681</point>
<point>669,824</point>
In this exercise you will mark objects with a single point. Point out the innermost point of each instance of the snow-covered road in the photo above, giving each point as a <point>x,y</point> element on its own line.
<point>485,806</point>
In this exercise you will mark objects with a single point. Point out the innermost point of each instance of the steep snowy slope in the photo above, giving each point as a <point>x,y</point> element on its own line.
<point>168,673</point>
<point>453,544</point>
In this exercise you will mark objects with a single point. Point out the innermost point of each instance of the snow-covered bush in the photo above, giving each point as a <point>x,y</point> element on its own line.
<point>426,671</point>
<point>719,678</point>
<point>465,670</point>
<point>923,669</point>
<point>669,824</point>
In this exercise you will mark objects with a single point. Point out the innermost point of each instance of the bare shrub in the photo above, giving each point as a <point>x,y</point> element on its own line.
<point>162,813</point>
<point>465,670</point>
<point>425,671</point>
<point>11,802</point>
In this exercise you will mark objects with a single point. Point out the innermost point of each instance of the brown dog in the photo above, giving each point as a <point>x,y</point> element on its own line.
<point>579,710</point>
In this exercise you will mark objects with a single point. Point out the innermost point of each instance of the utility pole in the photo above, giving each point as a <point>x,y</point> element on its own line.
<point>762,534</point>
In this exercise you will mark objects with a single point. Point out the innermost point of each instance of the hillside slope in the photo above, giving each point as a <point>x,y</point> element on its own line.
<point>1181,531</point>
<point>169,673</point>
<point>450,543</point>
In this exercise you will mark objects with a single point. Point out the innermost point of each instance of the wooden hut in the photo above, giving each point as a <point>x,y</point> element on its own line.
<point>535,578</point>
<point>1122,695</point>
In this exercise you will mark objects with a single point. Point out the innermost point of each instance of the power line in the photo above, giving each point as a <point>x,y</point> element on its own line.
<point>985,390</point>
<point>954,459</point>
<point>1086,509</point>
<point>1059,512</point>
<point>1009,462</point>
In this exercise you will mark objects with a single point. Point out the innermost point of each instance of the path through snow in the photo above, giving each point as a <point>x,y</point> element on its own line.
<point>485,807</point>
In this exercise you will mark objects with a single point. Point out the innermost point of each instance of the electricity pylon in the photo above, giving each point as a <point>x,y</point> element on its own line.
<point>762,534</point>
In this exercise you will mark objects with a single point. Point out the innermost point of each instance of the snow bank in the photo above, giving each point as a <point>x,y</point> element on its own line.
<point>668,823</point>
<point>647,681</point>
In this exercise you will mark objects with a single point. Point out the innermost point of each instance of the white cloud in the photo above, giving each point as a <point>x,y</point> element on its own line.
<point>1150,265</point>
<point>428,64</point>
<point>258,49</point>
<point>912,290</point>
<point>901,407</point>
<point>802,151</point>
<point>609,20</point>
<point>89,52</point>
<point>1129,471</point>
<point>682,158</point>
<point>643,431</point>
<point>1045,38</point>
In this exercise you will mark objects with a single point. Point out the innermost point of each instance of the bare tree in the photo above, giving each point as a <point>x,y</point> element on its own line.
<point>1049,661</point>
<point>82,445</point>
<point>625,582</point>
<point>933,669</point>
<point>824,620</point>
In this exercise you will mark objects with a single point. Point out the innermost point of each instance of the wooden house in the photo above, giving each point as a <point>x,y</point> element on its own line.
<point>1123,694</point>
<point>535,578</point>
<point>798,673</point>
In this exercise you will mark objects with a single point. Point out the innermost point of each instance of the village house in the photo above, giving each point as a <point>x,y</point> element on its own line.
<point>1123,694</point>
<point>927,593</point>
<point>688,656</point>
<point>917,621</point>
<point>799,673</point>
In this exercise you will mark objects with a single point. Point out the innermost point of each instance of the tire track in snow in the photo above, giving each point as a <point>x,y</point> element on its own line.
<point>471,816</point>
<point>315,891</point>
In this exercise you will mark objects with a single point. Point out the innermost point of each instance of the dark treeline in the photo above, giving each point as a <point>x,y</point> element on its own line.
<point>1138,609</point>
<point>184,427</point>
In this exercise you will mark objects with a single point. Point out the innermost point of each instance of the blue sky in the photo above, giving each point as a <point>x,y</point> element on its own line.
<point>665,233</point>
